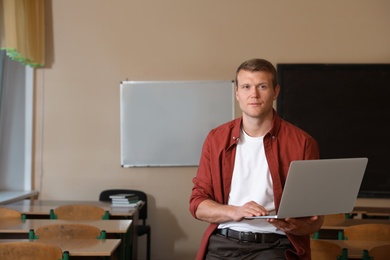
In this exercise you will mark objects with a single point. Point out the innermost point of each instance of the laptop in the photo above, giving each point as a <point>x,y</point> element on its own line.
<point>320,187</point>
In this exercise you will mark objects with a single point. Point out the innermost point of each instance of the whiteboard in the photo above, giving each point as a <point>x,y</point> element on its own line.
<point>164,123</point>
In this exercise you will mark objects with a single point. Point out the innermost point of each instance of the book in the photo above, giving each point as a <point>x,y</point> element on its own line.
<point>124,196</point>
<point>127,205</point>
<point>124,201</point>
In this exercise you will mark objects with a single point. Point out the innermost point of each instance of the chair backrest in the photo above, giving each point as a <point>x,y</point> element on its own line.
<point>324,250</point>
<point>379,252</point>
<point>143,213</point>
<point>67,231</point>
<point>29,251</point>
<point>376,232</point>
<point>334,218</point>
<point>6,213</point>
<point>80,212</point>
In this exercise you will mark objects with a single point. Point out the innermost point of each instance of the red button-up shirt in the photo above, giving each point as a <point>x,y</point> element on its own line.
<point>283,144</point>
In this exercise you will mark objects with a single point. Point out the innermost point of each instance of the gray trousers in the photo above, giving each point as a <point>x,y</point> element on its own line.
<point>231,249</point>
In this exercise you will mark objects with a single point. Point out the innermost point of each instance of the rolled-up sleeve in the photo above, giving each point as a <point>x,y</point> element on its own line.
<point>202,189</point>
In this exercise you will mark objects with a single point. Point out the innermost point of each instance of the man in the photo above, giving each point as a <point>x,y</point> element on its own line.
<point>242,171</point>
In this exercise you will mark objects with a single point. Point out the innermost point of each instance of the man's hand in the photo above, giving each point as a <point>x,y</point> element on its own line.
<point>214,212</point>
<point>298,226</point>
<point>250,209</point>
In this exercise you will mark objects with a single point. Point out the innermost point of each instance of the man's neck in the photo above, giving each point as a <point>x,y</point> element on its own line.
<point>257,126</point>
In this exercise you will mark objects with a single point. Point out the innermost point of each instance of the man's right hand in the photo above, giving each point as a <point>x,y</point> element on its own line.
<point>213,212</point>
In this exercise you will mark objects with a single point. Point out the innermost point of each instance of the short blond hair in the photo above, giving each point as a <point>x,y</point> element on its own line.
<point>254,65</point>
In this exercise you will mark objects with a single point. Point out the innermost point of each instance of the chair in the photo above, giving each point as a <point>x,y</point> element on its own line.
<point>79,212</point>
<point>335,218</point>
<point>329,220</point>
<point>6,213</point>
<point>381,252</point>
<point>324,250</point>
<point>375,232</point>
<point>142,228</point>
<point>68,231</point>
<point>31,251</point>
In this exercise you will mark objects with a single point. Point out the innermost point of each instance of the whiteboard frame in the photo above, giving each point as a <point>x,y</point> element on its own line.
<point>164,123</point>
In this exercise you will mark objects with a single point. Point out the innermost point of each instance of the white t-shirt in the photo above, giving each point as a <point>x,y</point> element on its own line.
<point>251,181</point>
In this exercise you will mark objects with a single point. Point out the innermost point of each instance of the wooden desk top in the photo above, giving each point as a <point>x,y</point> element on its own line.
<point>9,196</point>
<point>372,205</point>
<point>43,207</point>
<point>78,247</point>
<point>23,226</point>
<point>355,248</point>
<point>341,224</point>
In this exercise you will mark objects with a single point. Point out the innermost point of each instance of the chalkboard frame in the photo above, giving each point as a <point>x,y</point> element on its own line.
<point>344,107</point>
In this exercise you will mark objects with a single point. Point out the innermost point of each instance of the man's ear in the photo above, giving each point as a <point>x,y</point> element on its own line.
<point>277,90</point>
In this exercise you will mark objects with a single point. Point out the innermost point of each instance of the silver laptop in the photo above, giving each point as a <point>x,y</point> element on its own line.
<point>320,187</point>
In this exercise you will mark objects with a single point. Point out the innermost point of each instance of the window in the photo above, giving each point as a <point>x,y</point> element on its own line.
<point>16,111</point>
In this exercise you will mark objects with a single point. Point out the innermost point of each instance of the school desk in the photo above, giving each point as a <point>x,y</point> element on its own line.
<point>378,207</point>
<point>40,209</point>
<point>79,247</point>
<point>355,248</point>
<point>341,224</point>
<point>20,228</point>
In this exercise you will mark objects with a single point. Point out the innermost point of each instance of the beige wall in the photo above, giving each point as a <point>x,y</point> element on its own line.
<point>92,45</point>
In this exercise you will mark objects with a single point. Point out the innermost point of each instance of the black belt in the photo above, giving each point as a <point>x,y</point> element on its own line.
<point>250,236</point>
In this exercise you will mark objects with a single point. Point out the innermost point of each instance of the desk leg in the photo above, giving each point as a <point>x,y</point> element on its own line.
<point>129,243</point>
<point>134,236</point>
<point>130,239</point>
<point>121,249</point>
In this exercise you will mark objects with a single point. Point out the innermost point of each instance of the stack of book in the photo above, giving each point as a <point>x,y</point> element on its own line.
<point>125,200</point>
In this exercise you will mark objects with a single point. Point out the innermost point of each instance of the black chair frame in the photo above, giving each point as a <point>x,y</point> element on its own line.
<point>142,228</point>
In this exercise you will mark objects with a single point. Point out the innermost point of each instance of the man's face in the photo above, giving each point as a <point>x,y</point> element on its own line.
<point>255,93</point>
